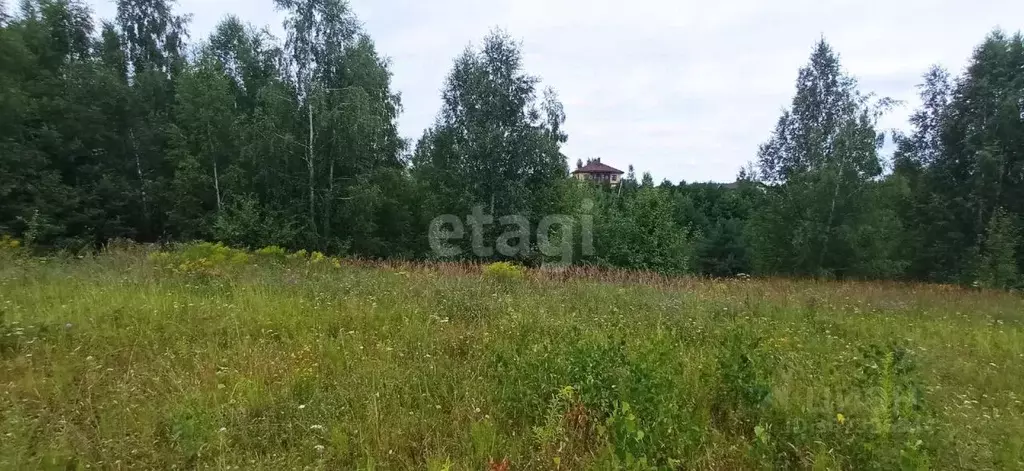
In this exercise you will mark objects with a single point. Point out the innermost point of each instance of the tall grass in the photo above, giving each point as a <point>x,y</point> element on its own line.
<point>209,357</point>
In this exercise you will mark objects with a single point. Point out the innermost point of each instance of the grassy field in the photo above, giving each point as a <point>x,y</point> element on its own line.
<point>212,358</point>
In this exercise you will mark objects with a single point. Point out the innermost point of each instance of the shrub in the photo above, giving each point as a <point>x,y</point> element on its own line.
<point>202,259</point>
<point>10,247</point>
<point>9,243</point>
<point>504,271</point>
<point>272,252</point>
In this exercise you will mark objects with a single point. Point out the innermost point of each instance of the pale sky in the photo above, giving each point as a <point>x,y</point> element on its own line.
<point>684,89</point>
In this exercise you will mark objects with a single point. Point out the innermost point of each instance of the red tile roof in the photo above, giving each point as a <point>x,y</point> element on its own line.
<point>598,167</point>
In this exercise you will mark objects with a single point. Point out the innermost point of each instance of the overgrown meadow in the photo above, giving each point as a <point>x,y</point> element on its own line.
<point>208,357</point>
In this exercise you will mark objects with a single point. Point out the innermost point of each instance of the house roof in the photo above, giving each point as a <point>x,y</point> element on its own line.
<point>598,167</point>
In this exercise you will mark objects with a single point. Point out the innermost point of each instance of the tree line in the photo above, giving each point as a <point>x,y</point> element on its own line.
<point>124,129</point>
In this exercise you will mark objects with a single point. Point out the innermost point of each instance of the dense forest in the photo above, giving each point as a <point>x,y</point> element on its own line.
<point>125,129</point>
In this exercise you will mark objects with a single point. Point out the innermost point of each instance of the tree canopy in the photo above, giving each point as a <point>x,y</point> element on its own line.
<point>129,128</point>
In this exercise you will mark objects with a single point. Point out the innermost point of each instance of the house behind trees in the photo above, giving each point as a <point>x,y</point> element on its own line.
<point>597,172</point>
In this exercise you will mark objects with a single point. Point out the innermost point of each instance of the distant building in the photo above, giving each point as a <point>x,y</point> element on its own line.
<point>597,172</point>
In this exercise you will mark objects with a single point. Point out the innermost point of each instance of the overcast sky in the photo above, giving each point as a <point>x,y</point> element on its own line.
<point>686,90</point>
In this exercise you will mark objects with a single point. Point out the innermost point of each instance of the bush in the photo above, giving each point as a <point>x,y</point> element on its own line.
<point>9,243</point>
<point>203,259</point>
<point>279,254</point>
<point>504,271</point>
<point>272,252</point>
<point>10,247</point>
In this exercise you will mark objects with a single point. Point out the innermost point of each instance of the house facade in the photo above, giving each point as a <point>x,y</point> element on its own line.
<point>597,172</point>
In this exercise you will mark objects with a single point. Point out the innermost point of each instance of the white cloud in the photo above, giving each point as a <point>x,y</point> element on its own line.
<point>684,89</point>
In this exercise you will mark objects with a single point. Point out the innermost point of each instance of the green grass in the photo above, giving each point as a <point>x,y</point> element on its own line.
<point>209,359</point>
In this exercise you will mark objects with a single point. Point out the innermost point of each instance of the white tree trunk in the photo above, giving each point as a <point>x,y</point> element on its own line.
<point>216,184</point>
<point>138,169</point>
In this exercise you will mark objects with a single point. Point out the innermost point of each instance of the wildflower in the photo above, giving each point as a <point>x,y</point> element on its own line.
<point>319,448</point>
<point>302,406</point>
<point>841,419</point>
<point>316,427</point>
<point>223,429</point>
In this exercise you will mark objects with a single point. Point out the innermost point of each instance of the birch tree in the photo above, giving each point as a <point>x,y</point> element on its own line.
<point>497,141</point>
<point>818,165</point>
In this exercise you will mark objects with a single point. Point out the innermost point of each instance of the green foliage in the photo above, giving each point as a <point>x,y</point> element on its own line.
<point>640,232</point>
<point>485,438</point>
<point>895,431</point>
<point>491,103</point>
<point>137,140</point>
<point>272,252</point>
<point>962,166</point>
<point>628,438</point>
<point>586,374</point>
<point>111,130</point>
<point>187,429</point>
<point>244,222</point>
<point>9,244</point>
<point>717,216</point>
<point>997,260</point>
<point>745,372</point>
<point>821,160</point>
<point>209,357</point>
<point>504,271</point>
<point>552,432</point>
<point>202,259</point>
